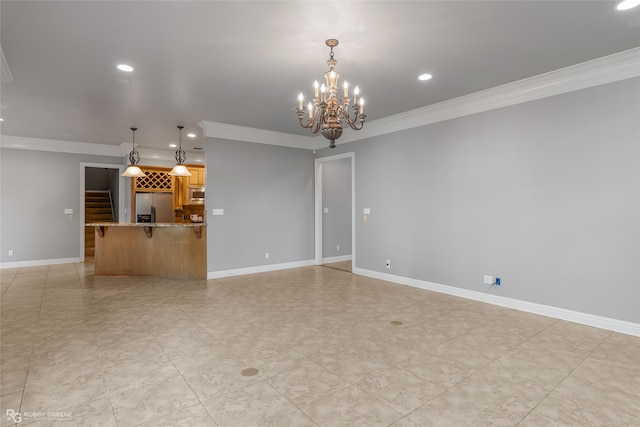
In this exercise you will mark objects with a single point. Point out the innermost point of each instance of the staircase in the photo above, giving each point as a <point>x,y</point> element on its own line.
<point>97,208</point>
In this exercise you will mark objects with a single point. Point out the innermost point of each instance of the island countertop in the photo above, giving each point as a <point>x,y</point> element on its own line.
<point>145,224</point>
<point>176,251</point>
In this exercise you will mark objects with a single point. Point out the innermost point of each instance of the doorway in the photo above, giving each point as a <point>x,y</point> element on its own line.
<point>334,212</point>
<point>103,186</point>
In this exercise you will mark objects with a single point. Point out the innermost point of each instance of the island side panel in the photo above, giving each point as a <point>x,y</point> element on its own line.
<point>180,252</point>
<point>124,251</point>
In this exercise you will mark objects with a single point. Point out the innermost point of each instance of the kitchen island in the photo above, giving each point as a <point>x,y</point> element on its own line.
<point>175,251</point>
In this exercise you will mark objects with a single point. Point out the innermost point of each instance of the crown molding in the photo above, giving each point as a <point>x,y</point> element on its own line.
<point>58,146</point>
<point>608,69</point>
<point>259,136</point>
<point>149,155</point>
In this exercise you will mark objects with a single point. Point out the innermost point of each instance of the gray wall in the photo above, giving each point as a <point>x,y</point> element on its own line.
<point>267,195</point>
<point>35,188</point>
<point>336,196</point>
<point>544,194</point>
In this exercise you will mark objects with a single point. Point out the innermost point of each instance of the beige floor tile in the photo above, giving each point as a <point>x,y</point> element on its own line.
<point>255,405</point>
<point>143,402</point>
<point>449,409</point>
<point>13,377</point>
<point>400,389</point>
<point>352,365</point>
<point>274,361</point>
<point>307,384</point>
<point>602,388</point>
<point>214,378</point>
<point>127,374</point>
<point>150,350</point>
<point>405,422</point>
<point>438,369</point>
<point>568,413</point>
<point>350,407</point>
<point>193,416</point>
<point>129,351</point>
<point>61,392</point>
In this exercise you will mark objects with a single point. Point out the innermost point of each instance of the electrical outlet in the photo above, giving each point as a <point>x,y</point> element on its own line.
<point>338,248</point>
<point>266,255</point>
<point>488,280</point>
<point>388,263</point>
<point>10,252</point>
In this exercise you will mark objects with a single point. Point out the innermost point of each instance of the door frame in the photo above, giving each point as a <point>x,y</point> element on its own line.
<point>318,205</point>
<point>121,199</point>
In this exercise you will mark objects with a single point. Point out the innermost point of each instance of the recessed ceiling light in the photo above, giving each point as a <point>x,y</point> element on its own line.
<point>424,77</point>
<point>173,145</point>
<point>125,67</point>
<point>627,4</point>
<point>191,135</point>
<point>1,119</point>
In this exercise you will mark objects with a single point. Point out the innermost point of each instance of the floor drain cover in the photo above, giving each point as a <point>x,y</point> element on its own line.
<point>396,322</point>
<point>249,372</point>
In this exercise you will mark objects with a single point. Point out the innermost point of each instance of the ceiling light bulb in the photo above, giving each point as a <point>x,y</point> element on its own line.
<point>627,4</point>
<point>125,67</point>
<point>191,135</point>
<point>173,145</point>
<point>424,77</point>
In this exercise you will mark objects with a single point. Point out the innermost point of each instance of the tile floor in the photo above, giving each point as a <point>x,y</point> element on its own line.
<point>80,350</point>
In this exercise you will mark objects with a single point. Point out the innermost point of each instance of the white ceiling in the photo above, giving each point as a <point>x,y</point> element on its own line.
<point>244,62</point>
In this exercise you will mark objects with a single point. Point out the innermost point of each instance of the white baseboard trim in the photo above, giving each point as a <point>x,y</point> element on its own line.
<point>39,262</point>
<point>258,269</point>
<point>601,322</point>
<point>336,259</point>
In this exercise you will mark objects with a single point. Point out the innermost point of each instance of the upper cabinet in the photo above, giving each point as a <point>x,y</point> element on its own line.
<point>197,178</point>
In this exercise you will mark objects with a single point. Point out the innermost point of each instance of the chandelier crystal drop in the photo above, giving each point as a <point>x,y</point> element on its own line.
<point>180,169</point>
<point>327,111</point>
<point>133,170</point>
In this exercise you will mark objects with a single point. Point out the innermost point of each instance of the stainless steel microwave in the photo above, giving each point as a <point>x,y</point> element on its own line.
<point>196,195</point>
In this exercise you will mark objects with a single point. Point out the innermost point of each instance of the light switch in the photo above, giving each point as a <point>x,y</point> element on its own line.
<point>326,210</point>
<point>217,211</point>
<point>68,211</point>
<point>367,211</point>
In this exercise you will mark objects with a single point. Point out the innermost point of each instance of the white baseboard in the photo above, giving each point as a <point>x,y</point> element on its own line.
<point>39,262</point>
<point>336,259</point>
<point>601,322</point>
<point>258,269</point>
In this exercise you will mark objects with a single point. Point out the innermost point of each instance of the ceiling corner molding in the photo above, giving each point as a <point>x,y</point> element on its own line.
<point>608,69</point>
<point>150,155</point>
<point>5,72</point>
<point>259,136</point>
<point>57,146</point>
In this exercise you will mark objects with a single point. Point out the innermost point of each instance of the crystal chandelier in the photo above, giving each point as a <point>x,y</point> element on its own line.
<point>133,170</point>
<point>327,111</point>
<point>180,169</point>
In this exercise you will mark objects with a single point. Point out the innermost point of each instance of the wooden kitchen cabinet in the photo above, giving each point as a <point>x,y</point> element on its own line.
<point>197,178</point>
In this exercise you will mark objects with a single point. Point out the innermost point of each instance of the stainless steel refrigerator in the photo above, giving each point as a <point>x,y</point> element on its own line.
<point>154,207</point>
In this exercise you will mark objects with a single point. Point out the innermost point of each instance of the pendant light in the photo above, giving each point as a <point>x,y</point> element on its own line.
<point>133,170</point>
<point>180,169</point>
